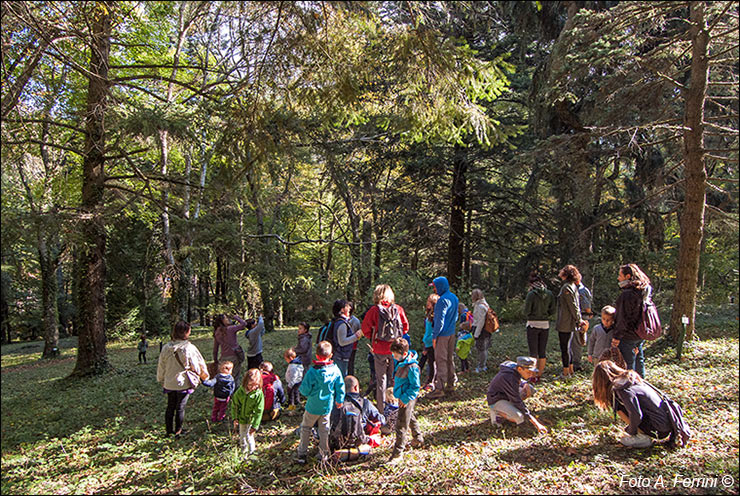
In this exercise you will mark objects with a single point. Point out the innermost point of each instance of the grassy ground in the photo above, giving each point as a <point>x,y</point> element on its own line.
<point>104,435</point>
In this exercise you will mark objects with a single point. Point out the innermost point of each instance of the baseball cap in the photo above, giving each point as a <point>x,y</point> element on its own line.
<point>527,363</point>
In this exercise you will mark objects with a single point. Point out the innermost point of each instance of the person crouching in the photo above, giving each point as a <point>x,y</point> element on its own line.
<point>505,393</point>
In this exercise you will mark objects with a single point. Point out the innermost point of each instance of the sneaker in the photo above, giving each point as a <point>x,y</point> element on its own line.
<point>274,414</point>
<point>637,441</point>
<point>477,370</point>
<point>395,459</point>
<point>300,459</point>
<point>484,369</point>
<point>291,408</point>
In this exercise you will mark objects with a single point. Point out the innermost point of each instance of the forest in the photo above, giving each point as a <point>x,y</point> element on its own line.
<point>173,160</point>
<point>168,160</point>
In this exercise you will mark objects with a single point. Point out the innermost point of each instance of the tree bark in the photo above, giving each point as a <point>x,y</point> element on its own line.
<point>692,214</point>
<point>91,350</point>
<point>456,243</point>
<point>48,262</point>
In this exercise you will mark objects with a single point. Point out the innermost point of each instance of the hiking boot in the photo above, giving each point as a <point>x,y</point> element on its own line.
<point>436,394</point>
<point>637,441</point>
<point>300,459</point>
<point>417,443</point>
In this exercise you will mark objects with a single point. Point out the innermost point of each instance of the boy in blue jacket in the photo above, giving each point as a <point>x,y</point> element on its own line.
<point>406,390</point>
<point>323,386</point>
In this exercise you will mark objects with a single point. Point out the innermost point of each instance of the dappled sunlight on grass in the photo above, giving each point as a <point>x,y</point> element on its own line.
<point>105,434</point>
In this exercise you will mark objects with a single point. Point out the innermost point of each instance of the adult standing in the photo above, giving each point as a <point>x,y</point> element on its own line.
<point>482,337</point>
<point>356,325</point>
<point>344,337</point>
<point>254,335</point>
<point>445,318</point>
<point>578,338</point>
<point>225,340</point>
<point>180,369</point>
<point>539,308</point>
<point>635,288</point>
<point>385,312</point>
<point>569,314</point>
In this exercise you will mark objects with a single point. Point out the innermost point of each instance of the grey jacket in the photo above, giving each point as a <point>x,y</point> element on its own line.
<point>569,310</point>
<point>600,340</point>
<point>254,335</point>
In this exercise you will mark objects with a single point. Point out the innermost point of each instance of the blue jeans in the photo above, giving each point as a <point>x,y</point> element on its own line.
<point>343,366</point>
<point>634,361</point>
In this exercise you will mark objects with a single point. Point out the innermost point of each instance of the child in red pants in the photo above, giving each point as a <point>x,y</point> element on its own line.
<point>223,387</point>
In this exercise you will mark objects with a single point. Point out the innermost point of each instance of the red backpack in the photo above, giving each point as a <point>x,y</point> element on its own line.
<point>649,327</point>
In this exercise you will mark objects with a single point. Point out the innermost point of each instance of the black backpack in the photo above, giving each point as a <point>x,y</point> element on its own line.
<point>346,429</point>
<point>326,333</point>
<point>389,323</point>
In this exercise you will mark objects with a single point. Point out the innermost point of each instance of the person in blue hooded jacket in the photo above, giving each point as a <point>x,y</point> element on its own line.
<point>406,389</point>
<point>445,318</point>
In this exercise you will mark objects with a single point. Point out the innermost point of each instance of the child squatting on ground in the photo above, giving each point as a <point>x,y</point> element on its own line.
<point>223,387</point>
<point>246,409</point>
<point>406,390</point>
<point>323,386</point>
<point>506,393</point>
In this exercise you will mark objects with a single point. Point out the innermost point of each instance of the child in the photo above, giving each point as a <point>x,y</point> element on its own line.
<point>390,412</point>
<point>428,354</point>
<point>293,378</point>
<point>273,390</point>
<point>463,350</point>
<point>600,339</point>
<point>323,385</point>
<point>506,391</point>
<point>406,389</point>
<point>303,349</point>
<point>143,345</point>
<point>223,387</point>
<point>247,408</point>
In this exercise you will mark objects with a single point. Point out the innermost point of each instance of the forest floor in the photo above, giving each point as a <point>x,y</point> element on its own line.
<point>105,434</point>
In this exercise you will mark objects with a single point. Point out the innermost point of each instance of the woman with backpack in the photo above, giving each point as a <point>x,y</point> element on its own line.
<point>383,322</point>
<point>481,335</point>
<point>342,336</point>
<point>635,289</point>
<point>635,401</point>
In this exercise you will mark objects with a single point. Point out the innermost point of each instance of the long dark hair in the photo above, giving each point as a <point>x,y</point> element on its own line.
<point>637,276</point>
<point>605,373</point>
<point>219,325</point>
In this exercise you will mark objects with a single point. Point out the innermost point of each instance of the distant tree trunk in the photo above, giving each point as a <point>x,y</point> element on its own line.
<point>457,217</point>
<point>48,264</point>
<point>692,213</point>
<point>268,306</point>
<point>5,334</point>
<point>367,239</point>
<point>467,252</point>
<point>91,351</point>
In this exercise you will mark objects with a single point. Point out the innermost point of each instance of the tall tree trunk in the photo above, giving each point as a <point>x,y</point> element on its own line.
<point>92,356</point>
<point>48,263</point>
<point>367,272</point>
<point>692,214</point>
<point>268,307</point>
<point>457,217</point>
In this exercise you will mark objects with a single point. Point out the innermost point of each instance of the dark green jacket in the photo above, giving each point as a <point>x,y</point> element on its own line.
<point>539,305</point>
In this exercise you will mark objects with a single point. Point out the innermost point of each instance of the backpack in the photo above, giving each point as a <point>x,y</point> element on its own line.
<point>326,333</point>
<point>491,324</point>
<point>649,327</point>
<point>681,432</point>
<point>389,323</point>
<point>347,431</point>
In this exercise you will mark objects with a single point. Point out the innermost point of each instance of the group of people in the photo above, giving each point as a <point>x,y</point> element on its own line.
<point>343,420</point>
